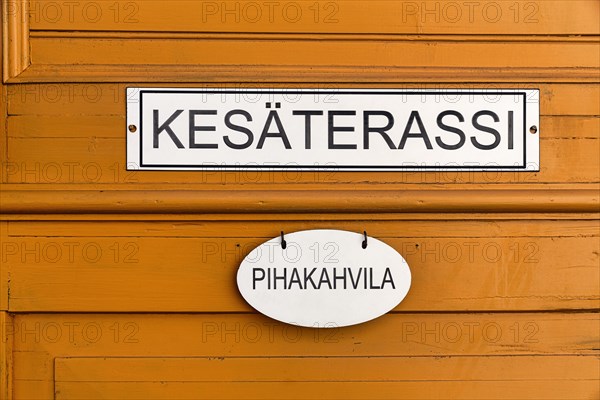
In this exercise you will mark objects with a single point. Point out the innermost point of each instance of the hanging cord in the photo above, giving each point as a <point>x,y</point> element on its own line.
<point>283,242</point>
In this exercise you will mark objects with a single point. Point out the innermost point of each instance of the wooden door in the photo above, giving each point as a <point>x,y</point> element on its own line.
<point>118,284</point>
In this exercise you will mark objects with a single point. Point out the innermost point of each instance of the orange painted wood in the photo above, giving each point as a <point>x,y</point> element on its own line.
<point>324,75</point>
<point>3,284</point>
<point>345,390</point>
<point>314,369</point>
<point>108,99</point>
<point>198,274</point>
<point>15,38</point>
<point>342,16</point>
<point>99,160</point>
<point>41,338</point>
<point>158,315</point>
<point>59,160</point>
<point>254,335</point>
<point>299,201</point>
<point>6,355</point>
<point>316,58</point>
<point>261,226</point>
<point>331,378</point>
<point>317,51</point>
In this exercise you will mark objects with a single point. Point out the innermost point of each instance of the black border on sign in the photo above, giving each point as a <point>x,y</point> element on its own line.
<point>325,167</point>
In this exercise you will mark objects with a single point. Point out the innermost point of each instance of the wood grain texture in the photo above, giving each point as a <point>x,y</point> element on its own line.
<point>296,201</point>
<point>40,338</point>
<point>3,282</point>
<point>269,74</point>
<point>317,51</point>
<point>243,58</point>
<point>179,47</point>
<point>4,94</point>
<point>334,390</point>
<point>254,335</point>
<point>6,355</point>
<point>99,160</point>
<point>15,38</point>
<point>338,369</point>
<point>332,378</point>
<point>261,226</point>
<point>94,274</point>
<point>108,99</point>
<point>547,17</point>
<point>116,284</point>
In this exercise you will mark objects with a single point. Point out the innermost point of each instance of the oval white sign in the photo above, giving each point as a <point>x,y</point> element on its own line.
<point>324,278</point>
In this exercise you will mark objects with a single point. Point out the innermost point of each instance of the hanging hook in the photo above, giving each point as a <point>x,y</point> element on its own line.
<point>364,243</point>
<point>283,242</point>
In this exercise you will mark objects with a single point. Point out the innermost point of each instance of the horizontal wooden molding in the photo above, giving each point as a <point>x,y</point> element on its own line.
<point>48,73</point>
<point>309,58</point>
<point>309,36</point>
<point>297,201</point>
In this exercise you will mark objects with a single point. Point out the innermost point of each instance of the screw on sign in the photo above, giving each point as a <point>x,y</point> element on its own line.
<point>360,130</point>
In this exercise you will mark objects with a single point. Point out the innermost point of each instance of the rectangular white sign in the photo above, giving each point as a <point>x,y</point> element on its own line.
<point>333,129</point>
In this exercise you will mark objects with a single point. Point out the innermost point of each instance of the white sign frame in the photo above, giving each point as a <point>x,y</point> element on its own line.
<point>376,155</point>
